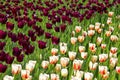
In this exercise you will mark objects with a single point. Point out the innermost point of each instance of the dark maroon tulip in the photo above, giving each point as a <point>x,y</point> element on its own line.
<point>16,51</point>
<point>2,34</point>
<point>31,22</point>
<point>62,27</point>
<point>42,44</point>
<point>2,68</point>
<point>20,58</point>
<point>40,32</point>
<point>21,24</point>
<point>57,29</point>
<point>9,59</point>
<point>13,36</point>
<point>2,45</point>
<point>30,49</point>
<point>31,33</point>
<point>2,56</point>
<point>47,35</point>
<point>48,25</point>
<point>9,26</point>
<point>33,38</point>
<point>55,40</point>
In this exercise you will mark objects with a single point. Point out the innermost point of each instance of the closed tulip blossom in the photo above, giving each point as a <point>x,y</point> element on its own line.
<point>16,69</point>
<point>111,29</point>
<point>63,48</point>
<point>103,57</point>
<point>25,74</point>
<point>92,47</point>
<point>113,50</point>
<point>58,67</point>
<point>73,40</point>
<point>44,76</point>
<point>108,33</point>
<point>7,77</point>
<point>91,33</point>
<point>77,64</point>
<point>106,76</point>
<point>103,46</point>
<point>118,69</point>
<point>91,27</point>
<point>88,76</point>
<point>97,24</point>
<point>103,70</point>
<point>99,40</point>
<point>84,33</point>
<point>64,61</point>
<point>94,58</point>
<point>109,20</point>
<point>84,55</point>
<point>97,28</point>
<point>64,72</point>
<point>30,65</point>
<point>79,74</point>
<point>54,51</point>
<point>78,29</point>
<point>45,64</point>
<point>110,14</point>
<point>100,30</point>
<point>72,55</point>
<point>113,62</point>
<point>81,49</point>
<point>55,77</point>
<point>113,38</point>
<point>81,38</point>
<point>73,33</point>
<point>53,59</point>
<point>93,66</point>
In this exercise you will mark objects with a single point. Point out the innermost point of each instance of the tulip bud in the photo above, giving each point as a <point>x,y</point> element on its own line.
<point>103,46</point>
<point>84,33</point>
<point>88,76</point>
<point>103,70</point>
<point>77,64</point>
<point>92,47</point>
<point>25,74</point>
<point>103,25</point>
<point>81,49</point>
<point>97,24</point>
<point>113,38</point>
<point>16,68</point>
<point>53,59</point>
<point>99,30</point>
<point>92,65</point>
<point>81,38</point>
<point>79,74</point>
<point>91,27</point>
<point>99,40</point>
<point>73,33</point>
<point>63,48</point>
<point>64,72</point>
<point>111,29</point>
<point>113,62</point>
<point>45,64</point>
<point>43,76</point>
<point>84,55</point>
<point>54,51</point>
<point>7,77</point>
<point>72,55</point>
<point>110,14</point>
<point>103,57</point>
<point>109,20</point>
<point>55,77</point>
<point>108,33</point>
<point>91,33</point>
<point>94,58</point>
<point>73,40</point>
<point>78,29</point>
<point>64,61</point>
<point>58,67</point>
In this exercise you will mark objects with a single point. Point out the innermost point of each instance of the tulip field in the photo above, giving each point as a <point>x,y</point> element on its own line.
<point>59,39</point>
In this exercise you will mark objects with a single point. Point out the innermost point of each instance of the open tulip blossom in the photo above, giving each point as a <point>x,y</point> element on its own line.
<point>59,39</point>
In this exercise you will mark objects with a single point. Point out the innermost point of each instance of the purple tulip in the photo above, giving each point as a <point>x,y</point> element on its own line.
<point>13,36</point>
<point>20,58</point>
<point>31,33</point>
<point>9,26</point>
<point>21,24</point>
<point>9,59</point>
<point>47,35</point>
<point>2,45</point>
<point>48,25</point>
<point>33,38</point>
<point>2,34</point>
<point>2,68</point>
<point>57,29</point>
<point>2,56</point>
<point>55,40</point>
<point>42,44</point>
<point>16,51</point>
<point>62,27</point>
<point>30,49</point>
